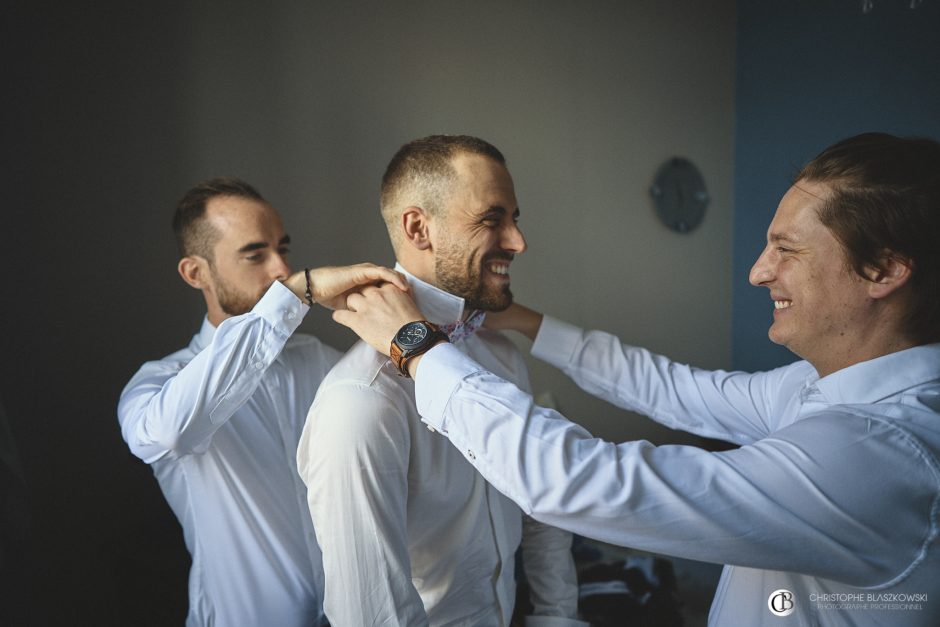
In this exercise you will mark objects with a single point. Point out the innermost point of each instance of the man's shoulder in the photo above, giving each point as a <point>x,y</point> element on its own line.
<point>498,339</point>
<point>367,372</point>
<point>173,362</point>
<point>307,344</point>
<point>360,402</point>
<point>498,354</point>
<point>298,340</point>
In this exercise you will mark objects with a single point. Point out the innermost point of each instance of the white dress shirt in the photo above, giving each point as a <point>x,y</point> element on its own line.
<point>411,534</point>
<point>834,495</point>
<point>219,423</point>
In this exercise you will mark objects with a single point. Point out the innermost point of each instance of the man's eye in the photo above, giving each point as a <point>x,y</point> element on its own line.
<point>283,251</point>
<point>254,258</point>
<point>782,249</point>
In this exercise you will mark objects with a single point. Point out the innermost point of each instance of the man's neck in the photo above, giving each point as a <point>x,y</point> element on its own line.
<point>432,281</point>
<point>418,271</point>
<point>835,360</point>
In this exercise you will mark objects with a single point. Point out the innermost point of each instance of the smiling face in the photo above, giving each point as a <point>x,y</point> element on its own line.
<point>477,236</point>
<point>248,255</point>
<point>822,308</point>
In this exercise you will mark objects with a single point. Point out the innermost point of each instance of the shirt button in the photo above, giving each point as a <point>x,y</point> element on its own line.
<point>432,429</point>
<point>291,315</point>
<point>259,365</point>
<point>470,454</point>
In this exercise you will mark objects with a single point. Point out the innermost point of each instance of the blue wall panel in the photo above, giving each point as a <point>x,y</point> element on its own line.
<point>811,72</point>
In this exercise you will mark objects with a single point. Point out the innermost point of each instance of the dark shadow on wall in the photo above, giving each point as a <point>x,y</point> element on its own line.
<point>16,548</point>
<point>94,111</point>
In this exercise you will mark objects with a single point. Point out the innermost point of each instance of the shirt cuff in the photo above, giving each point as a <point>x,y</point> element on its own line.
<point>556,342</point>
<point>281,308</point>
<point>440,372</point>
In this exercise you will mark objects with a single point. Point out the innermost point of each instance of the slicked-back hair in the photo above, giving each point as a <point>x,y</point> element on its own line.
<point>422,174</point>
<point>194,234</point>
<point>886,201</point>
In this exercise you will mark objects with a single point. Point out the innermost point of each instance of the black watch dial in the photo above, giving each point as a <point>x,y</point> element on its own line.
<point>411,335</point>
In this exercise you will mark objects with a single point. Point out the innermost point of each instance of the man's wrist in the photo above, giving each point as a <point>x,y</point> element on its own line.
<point>531,323</point>
<point>412,364</point>
<point>297,283</point>
<point>412,340</point>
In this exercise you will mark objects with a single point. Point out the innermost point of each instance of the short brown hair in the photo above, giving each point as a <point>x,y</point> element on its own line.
<point>422,174</point>
<point>886,201</point>
<point>194,235</point>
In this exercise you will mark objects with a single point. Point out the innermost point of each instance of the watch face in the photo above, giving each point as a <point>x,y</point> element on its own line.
<point>411,335</point>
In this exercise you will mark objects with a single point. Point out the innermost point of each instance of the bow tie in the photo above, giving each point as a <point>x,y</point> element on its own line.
<point>462,329</point>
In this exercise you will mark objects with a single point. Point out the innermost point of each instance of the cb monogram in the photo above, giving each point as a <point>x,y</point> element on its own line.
<point>781,603</point>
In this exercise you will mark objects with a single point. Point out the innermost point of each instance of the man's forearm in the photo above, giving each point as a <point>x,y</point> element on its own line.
<point>516,318</point>
<point>328,286</point>
<point>165,407</point>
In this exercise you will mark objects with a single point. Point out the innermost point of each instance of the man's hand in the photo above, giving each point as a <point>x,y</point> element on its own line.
<point>331,285</point>
<point>516,318</point>
<point>376,313</point>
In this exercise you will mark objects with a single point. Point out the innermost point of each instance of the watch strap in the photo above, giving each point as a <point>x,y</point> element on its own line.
<point>401,357</point>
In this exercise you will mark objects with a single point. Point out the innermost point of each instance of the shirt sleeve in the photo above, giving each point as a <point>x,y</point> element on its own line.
<point>733,406</point>
<point>175,407</point>
<point>798,501</point>
<point>550,571</point>
<point>353,457</point>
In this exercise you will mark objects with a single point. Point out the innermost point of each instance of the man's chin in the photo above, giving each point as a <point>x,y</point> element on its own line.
<point>239,308</point>
<point>495,302</point>
<point>500,306</point>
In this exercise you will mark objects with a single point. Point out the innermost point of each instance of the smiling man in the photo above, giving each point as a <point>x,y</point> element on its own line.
<point>828,513</point>
<point>219,420</point>
<point>411,534</point>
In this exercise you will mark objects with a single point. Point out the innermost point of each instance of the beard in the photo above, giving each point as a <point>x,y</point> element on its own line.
<point>462,275</point>
<point>233,301</point>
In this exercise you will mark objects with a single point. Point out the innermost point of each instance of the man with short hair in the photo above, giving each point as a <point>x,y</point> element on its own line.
<point>411,534</point>
<point>829,512</point>
<point>219,420</point>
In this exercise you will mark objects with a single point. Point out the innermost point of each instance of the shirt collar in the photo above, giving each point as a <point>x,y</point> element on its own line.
<point>436,305</point>
<point>877,379</point>
<point>204,337</point>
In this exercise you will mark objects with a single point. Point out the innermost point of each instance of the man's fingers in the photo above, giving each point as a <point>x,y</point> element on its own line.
<point>353,300</point>
<point>343,317</point>
<point>380,274</point>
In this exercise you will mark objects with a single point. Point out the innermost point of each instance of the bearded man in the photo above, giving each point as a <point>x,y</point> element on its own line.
<point>219,420</point>
<point>411,534</point>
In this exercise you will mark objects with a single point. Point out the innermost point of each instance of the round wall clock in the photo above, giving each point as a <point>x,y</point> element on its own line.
<point>679,194</point>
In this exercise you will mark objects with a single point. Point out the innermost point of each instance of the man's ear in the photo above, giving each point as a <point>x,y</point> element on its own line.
<point>892,273</point>
<point>415,227</point>
<point>194,270</point>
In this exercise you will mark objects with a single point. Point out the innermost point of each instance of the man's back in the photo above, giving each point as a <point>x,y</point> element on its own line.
<point>439,525</point>
<point>411,533</point>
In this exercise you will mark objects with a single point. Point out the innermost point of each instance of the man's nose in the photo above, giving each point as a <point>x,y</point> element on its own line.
<point>513,239</point>
<point>762,270</point>
<point>280,269</point>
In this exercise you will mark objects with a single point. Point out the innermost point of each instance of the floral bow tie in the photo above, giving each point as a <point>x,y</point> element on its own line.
<point>462,329</point>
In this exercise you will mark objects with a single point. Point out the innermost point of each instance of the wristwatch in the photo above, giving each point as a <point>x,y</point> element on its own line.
<point>413,339</point>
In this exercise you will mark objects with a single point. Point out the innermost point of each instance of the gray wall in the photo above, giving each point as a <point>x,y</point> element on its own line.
<point>114,113</point>
<point>311,104</point>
